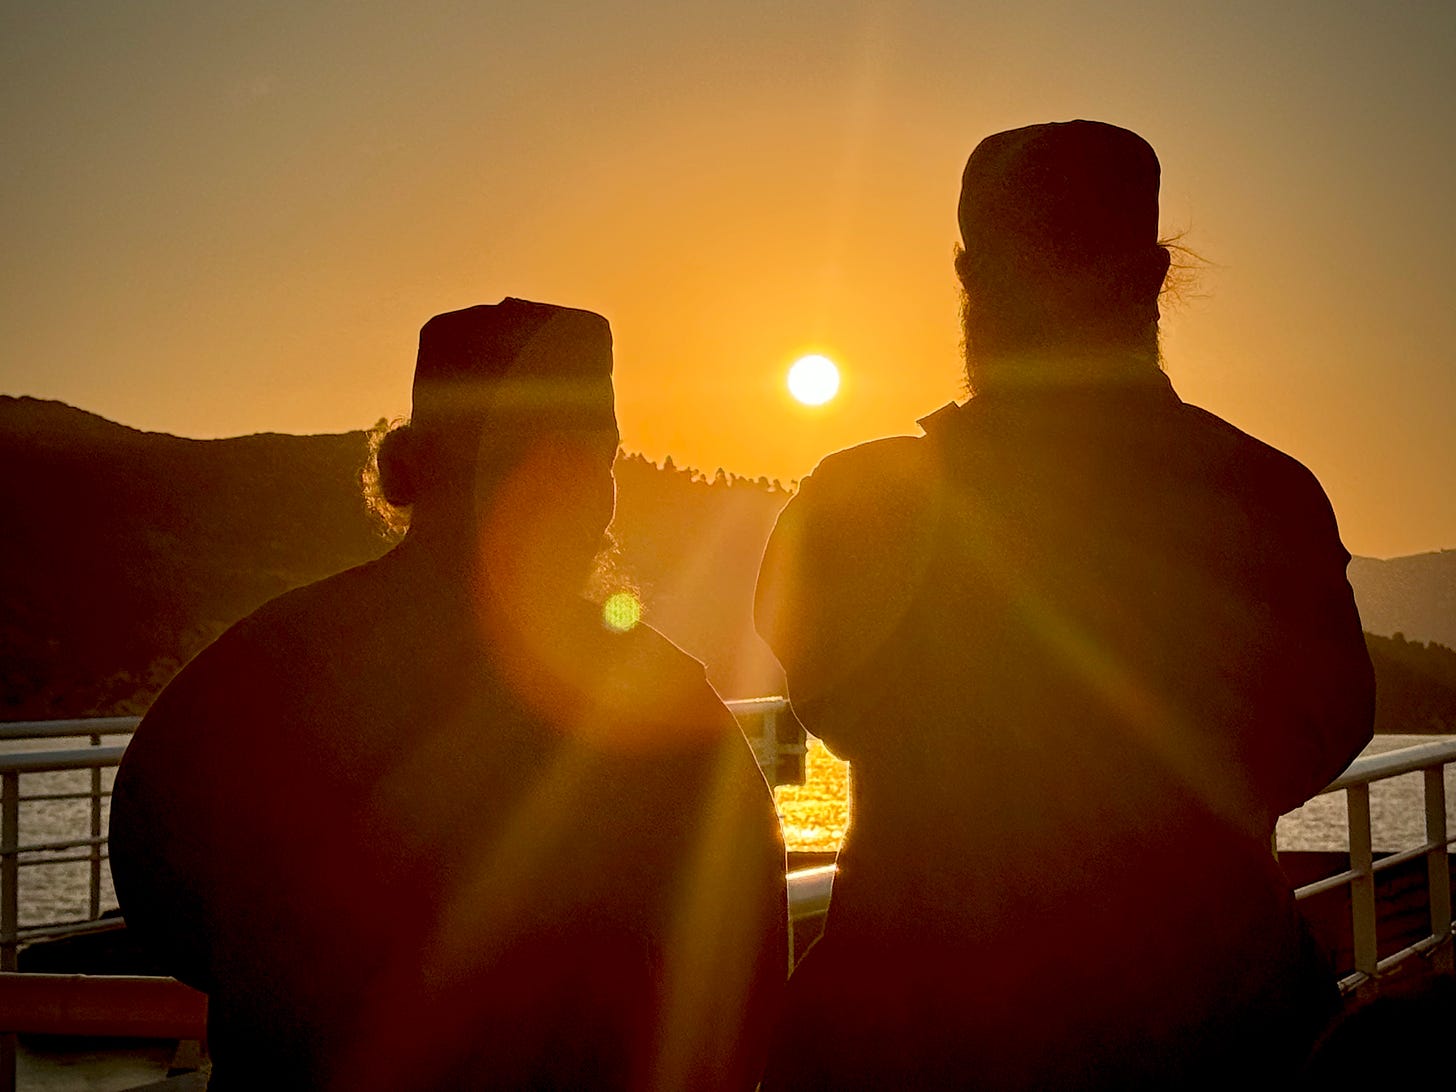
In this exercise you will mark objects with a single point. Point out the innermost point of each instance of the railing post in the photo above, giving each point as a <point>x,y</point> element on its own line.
<point>95,906</point>
<point>1438,867</point>
<point>1362,887</point>
<point>9,868</point>
<point>771,733</point>
<point>9,904</point>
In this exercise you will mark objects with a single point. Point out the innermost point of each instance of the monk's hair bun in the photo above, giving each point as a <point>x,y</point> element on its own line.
<point>389,477</point>
<point>399,470</point>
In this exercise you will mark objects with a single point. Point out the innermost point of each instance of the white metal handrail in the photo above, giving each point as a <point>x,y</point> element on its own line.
<point>14,855</point>
<point>761,719</point>
<point>62,729</point>
<point>1429,759</point>
<point>95,758</point>
<point>809,890</point>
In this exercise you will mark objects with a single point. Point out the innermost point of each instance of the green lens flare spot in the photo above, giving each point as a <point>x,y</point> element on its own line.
<point>621,611</point>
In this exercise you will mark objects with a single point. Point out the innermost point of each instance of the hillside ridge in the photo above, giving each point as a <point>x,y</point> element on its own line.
<point>129,551</point>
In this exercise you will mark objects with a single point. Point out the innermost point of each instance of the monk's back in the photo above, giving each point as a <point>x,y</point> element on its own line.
<point>385,834</point>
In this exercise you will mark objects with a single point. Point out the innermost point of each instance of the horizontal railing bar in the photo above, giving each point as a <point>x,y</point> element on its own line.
<point>1405,953</point>
<point>30,798</point>
<point>67,843</point>
<point>68,928</point>
<point>1408,855</point>
<point>1406,760</point>
<point>60,729</point>
<point>1362,771</point>
<point>738,706</point>
<point>1329,883</point>
<point>809,891</point>
<point>57,860</point>
<point>81,758</point>
<point>1353,981</point>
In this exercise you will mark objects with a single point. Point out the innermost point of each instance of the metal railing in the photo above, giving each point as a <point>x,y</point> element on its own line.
<point>762,719</point>
<point>809,890</point>
<point>1430,760</point>
<point>758,716</point>
<point>131,1006</point>
<point>90,848</point>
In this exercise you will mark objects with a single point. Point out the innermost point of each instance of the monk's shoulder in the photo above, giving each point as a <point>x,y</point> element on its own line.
<point>1275,487</point>
<point>865,509</point>
<point>667,688</point>
<point>262,663</point>
<point>896,471</point>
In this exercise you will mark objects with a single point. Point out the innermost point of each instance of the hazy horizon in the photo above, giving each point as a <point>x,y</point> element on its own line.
<point>681,465</point>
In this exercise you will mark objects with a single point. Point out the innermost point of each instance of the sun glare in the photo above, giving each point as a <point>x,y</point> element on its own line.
<point>622,611</point>
<point>813,380</point>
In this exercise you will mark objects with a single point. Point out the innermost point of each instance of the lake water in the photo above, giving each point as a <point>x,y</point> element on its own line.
<point>814,816</point>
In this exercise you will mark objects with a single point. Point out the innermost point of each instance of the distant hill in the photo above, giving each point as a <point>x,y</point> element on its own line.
<point>1414,596</point>
<point>126,552</point>
<point>692,546</point>
<point>1415,685</point>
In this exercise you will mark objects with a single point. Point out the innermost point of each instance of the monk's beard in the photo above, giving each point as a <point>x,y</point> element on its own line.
<point>1031,361</point>
<point>608,576</point>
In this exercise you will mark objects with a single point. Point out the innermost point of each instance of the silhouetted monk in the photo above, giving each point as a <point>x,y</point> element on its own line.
<point>1081,643</point>
<point>430,823</point>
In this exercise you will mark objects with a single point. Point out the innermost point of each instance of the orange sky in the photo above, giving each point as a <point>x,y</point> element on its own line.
<point>222,219</point>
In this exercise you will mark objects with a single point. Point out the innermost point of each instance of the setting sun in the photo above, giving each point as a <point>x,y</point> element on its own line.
<point>814,380</point>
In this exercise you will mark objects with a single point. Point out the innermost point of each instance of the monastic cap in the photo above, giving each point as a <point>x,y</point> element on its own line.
<point>1064,195</point>
<point>517,364</point>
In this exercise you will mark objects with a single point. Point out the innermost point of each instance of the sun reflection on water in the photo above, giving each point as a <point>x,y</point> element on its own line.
<point>815,815</point>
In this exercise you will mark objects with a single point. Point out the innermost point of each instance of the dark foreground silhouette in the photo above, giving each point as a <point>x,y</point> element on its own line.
<point>1081,643</point>
<point>430,823</point>
<point>1356,1052</point>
